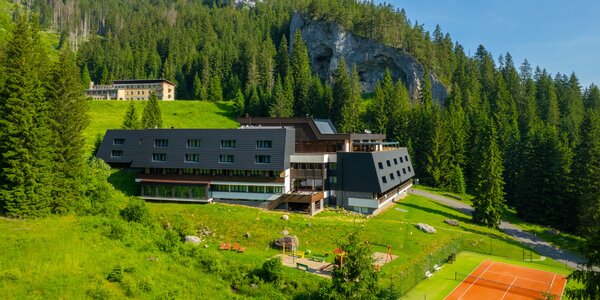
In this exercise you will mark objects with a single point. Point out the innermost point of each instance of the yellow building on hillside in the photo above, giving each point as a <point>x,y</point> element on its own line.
<point>133,90</point>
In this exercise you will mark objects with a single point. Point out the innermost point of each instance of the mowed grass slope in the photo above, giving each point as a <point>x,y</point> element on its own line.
<point>107,114</point>
<point>64,257</point>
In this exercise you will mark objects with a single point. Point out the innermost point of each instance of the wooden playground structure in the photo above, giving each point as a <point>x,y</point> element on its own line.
<point>317,265</point>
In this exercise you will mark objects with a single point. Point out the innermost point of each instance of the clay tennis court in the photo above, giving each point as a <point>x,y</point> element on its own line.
<point>495,280</point>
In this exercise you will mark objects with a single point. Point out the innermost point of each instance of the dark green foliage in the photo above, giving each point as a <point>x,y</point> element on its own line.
<point>216,90</point>
<point>272,270</point>
<point>302,75</point>
<point>131,120</point>
<point>68,112</point>
<point>152,116</point>
<point>588,275</point>
<point>349,121</point>
<point>356,278</point>
<point>282,104</point>
<point>489,185</point>
<point>342,91</point>
<point>457,181</point>
<point>136,211</point>
<point>541,186</point>
<point>116,274</point>
<point>239,106</point>
<point>25,136</point>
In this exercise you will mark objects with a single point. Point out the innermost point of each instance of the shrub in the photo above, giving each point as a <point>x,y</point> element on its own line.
<point>129,286</point>
<point>169,241</point>
<point>136,211</point>
<point>98,293</point>
<point>272,270</point>
<point>116,275</point>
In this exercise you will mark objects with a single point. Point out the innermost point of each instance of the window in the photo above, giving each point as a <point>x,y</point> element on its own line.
<point>264,144</point>
<point>392,176</point>
<point>262,159</point>
<point>118,141</point>
<point>398,173</point>
<point>159,156</point>
<point>226,158</point>
<point>161,143</point>
<point>192,158</point>
<point>383,179</point>
<point>238,188</point>
<point>401,160</point>
<point>395,161</point>
<point>116,153</point>
<point>403,170</point>
<point>388,163</point>
<point>193,143</point>
<point>406,157</point>
<point>256,189</point>
<point>227,143</point>
<point>409,169</point>
<point>380,165</point>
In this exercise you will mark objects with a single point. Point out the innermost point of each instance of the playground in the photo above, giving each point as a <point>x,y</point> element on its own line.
<point>318,266</point>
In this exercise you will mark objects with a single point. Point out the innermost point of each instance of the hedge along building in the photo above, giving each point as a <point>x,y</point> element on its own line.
<point>298,164</point>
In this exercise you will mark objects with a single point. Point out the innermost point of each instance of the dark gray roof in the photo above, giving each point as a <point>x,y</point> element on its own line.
<point>325,126</point>
<point>361,171</point>
<point>138,147</point>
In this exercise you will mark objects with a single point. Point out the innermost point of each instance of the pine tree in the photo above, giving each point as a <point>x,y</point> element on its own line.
<point>85,77</point>
<point>302,76</point>
<point>199,90</point>
<point>457,183</point>
<point>489,185</point>
<point>239,106</point>
<point>350,118</point>
<point>342,90</point>
<point>281,107</point>
<point>131,119</point>
<point>438,164</point>
<point>425,96</point>
<point>254,106</point>
<point>152,116</point>
<point>283,57</point>
<point>68,111</point>
<point>378,110</point>
<point>25,161</point>
<point>216,90</point>
<point>592,97</point>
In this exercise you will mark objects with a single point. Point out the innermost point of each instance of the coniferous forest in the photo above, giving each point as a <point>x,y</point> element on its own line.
<point>509,133</point>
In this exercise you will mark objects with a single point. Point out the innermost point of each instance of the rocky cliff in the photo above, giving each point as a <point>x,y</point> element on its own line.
<point>328,42</point>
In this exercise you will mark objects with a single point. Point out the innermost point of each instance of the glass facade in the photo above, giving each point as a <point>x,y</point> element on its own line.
<point>174,191</point>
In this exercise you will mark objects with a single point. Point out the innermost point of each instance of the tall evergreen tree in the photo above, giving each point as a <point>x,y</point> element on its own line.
<point>25,161</point>
<point>239,106</point>
<point>68,112</point>
<point>131,120</point>
<point>350,114</point>
<point>302,76</point>
<point>377,110</point>
<point>283,57</point>
<point>152,115</point>
<point>216,90</point>
<point>489,185</point>
<point>342,91</point>
<point>282,105</point>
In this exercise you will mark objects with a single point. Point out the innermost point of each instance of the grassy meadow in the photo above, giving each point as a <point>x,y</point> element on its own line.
<point>108,114</point>
<point>66,257</point>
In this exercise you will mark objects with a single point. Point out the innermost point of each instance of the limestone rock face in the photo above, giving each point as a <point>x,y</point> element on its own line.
<point>327,43</point>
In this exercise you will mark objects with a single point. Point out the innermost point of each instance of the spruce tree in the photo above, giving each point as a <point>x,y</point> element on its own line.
<point>68,111</point>
<point>239,106</point>
<point>350,113</point>
<point>131,120</point>
<point>300,66</point>
<point>489,185</point>
<point>281,107</point>
<point>378,110</point>
<point>152,115</point>
<point>283,57</point>
<point>216,90</point>
<point>342,90</point>
<point>85,77</point>
<point>25,136</point>
<point>439,160</point>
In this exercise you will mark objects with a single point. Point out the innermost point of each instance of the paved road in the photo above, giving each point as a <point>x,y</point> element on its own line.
<point>537,244</point>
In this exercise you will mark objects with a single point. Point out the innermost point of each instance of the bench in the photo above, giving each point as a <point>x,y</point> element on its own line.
<point>319,258</point>
<point>300,266</point>
<point>428,274</point>
<point>436,267</point>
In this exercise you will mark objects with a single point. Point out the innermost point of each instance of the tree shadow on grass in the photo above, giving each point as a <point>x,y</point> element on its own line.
<point>438,212</point>
<point>124,181</point>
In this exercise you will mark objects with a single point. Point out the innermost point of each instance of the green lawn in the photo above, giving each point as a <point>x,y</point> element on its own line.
<point>63,257</point>
<point>106,114</point>
<point>466,198</point>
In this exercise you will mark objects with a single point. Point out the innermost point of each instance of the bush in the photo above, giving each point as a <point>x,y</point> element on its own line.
<point>116,275</point>
<point>116,230</point>
<point>169,242</point>
<point>99,196</point>
<point>98,292</point>
<point>272,270</point>
<point>136,211</point>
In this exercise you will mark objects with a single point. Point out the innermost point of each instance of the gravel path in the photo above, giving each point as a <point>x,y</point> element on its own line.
<point>530,240</point>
